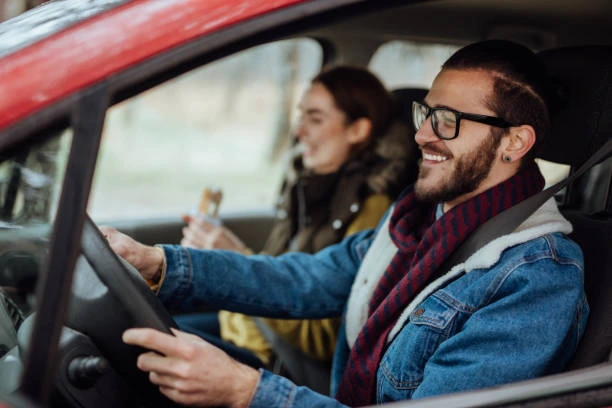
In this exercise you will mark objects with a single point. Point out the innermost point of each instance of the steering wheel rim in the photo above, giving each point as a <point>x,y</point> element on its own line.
<point>108,297</point>
<point>129,287</point>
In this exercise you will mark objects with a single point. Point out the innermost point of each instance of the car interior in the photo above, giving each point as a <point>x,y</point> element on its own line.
<point>96,369</point>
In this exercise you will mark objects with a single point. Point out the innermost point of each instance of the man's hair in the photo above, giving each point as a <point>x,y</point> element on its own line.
<point>359,94</point>
<point>522,91</point>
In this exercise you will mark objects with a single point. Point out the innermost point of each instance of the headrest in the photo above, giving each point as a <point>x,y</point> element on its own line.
<point>404,98</point>
<point>584,121</point>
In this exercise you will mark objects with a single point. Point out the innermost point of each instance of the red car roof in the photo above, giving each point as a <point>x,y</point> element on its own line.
<point>107,43</point>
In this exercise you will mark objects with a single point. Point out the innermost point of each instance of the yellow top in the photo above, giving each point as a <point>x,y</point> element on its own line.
<point>315,338</point>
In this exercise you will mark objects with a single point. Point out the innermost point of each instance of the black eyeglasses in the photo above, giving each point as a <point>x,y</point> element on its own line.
<point>445,121</point>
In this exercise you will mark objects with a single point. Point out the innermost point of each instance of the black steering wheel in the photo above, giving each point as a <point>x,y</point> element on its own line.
<point>108,297</point>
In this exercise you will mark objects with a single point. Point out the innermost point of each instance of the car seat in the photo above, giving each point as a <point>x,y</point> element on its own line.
<point>581,126</point>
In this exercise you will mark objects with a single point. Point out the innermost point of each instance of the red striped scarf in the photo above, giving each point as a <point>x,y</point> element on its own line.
<point>423,243</point>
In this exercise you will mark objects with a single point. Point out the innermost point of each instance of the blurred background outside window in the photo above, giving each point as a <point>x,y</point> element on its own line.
<point>224,125</point>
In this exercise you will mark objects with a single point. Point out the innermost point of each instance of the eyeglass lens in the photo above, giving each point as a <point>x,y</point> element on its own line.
<point>443,121</point>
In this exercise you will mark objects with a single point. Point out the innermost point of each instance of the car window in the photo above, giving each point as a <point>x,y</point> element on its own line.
<point>401,64</point>
<point>30,183</point>
<point>224,125</point>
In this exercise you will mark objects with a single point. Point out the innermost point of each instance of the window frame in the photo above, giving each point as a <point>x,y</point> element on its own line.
<point>55,280</point>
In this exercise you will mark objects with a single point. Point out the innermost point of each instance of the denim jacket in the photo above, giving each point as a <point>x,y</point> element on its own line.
<point>514,310</point>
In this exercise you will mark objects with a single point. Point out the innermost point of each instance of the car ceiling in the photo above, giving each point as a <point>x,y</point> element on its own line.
<point>539,24</point>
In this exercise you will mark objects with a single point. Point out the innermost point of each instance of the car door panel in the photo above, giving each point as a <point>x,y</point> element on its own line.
<point>251,227</point>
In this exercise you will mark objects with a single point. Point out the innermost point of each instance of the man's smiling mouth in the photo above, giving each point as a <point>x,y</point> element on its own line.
<point>434,157</point>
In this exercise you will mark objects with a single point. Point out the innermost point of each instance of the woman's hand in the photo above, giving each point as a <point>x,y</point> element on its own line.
<point>200,233</point>
<point>192,372</point>
<point>145,258</point>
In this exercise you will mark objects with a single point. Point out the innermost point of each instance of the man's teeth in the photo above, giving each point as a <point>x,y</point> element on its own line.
<point>434,157</point>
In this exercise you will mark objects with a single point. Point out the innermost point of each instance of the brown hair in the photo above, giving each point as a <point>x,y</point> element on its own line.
<point>359,94</point>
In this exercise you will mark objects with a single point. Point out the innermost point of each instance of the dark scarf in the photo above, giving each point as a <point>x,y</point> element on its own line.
<point>423,245</point>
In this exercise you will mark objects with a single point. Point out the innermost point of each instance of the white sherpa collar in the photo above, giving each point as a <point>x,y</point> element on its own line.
<point>545,220</point>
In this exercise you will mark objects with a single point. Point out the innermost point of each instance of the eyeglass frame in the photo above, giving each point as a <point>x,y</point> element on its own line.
<point>474,117</point>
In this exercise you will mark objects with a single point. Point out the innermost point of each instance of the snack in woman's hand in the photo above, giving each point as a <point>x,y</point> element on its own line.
<point>210,201</point>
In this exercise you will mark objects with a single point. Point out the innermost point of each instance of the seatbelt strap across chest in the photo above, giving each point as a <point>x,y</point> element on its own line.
<point>508,220</point>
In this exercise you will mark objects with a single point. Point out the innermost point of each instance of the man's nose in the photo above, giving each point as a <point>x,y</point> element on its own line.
<point>425,134</point>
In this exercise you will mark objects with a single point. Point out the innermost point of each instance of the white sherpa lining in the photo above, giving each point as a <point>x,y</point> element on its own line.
<point>372,267</point>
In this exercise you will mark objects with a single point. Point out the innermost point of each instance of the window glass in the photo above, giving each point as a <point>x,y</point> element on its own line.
<point>224,125</point>
<point>401,64</point>
<point>30,184</point>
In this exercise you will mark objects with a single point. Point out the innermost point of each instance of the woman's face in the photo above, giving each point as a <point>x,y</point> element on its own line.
<point>322,131</point>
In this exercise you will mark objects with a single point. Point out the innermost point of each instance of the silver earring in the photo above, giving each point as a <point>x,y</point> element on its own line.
<point>507,159</point>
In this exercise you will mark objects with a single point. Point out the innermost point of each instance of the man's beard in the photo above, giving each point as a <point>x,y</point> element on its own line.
<point>470,170</point>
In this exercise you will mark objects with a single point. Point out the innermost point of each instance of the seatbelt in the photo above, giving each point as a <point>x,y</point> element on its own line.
<point>507,221</point>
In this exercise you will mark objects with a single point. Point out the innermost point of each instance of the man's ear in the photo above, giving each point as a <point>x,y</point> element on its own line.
<point>520,140</point>
<point>359,131</point>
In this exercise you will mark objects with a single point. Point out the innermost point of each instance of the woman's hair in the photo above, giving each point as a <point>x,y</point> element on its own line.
<point>359,94</point>
<point>389,154</point>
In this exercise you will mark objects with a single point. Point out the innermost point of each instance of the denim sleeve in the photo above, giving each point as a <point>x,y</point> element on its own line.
<point>293,285</point>
<point>522,330</point>
<point>275,391</point>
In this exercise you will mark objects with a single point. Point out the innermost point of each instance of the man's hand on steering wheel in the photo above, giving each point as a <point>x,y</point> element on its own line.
<point>145,258</point>
<point>192,372</point>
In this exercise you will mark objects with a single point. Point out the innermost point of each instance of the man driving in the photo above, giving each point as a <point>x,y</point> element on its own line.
<point>413,326</point>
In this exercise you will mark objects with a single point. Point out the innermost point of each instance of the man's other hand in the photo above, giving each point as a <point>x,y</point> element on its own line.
<point>192,372</point>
